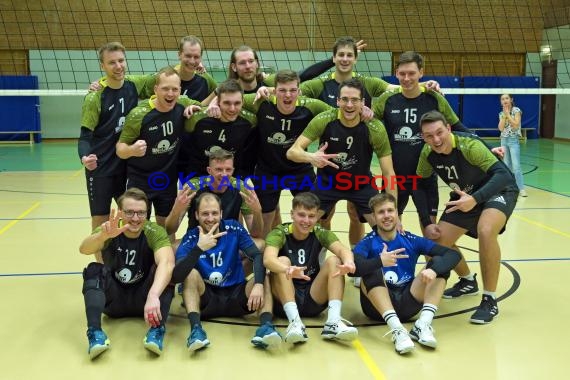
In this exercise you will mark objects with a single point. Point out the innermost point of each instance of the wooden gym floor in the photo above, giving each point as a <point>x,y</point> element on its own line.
<point>44,216</point>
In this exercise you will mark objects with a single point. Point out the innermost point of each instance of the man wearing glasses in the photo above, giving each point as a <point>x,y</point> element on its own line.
<point>134,279</point>
<point>345,154</point>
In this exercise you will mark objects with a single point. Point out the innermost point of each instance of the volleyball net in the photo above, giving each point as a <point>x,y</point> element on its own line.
<point>57,40</point>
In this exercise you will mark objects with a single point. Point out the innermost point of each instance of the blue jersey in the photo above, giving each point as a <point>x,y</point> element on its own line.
<point>403,273</point>
<point>219,266</point>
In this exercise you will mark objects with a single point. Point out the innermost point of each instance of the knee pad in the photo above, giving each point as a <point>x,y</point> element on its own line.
<point>93,277</point>
<point>430,264</point>
<point>373,280</point>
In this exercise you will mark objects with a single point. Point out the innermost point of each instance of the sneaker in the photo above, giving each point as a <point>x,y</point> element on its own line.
<point>98,342</point>
<point>523,193</point>
<point>401,339</point>
<point>339,331</point>
<point>153,339</point>
<point>486,311</point>
<point>296,332</point>
<point>463,287</point>
<point>266,336</point>
<point>356,281</point>
<point>423,334</point>
<point>197,339</point>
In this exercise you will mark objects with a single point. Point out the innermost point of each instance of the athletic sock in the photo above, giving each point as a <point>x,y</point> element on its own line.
<point>392,320</point>
<point>291,311</point>
<point>334,311</point>
<point>427,313</point>
<point>265,317</point>
<point>194,319</point>
<point>493,295</point>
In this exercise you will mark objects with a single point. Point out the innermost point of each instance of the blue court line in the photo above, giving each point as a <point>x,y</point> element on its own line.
<point>419,263</point>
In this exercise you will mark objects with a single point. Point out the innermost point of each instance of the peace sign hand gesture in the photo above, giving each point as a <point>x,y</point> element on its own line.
<point>210,239</point>
<point>390,258</point>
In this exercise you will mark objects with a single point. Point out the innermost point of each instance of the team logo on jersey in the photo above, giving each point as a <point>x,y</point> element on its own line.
<point>215,278</point>
<point>331,96</point>
<point>393,279</point>
<point>279,138</point>
<point>395,111</point>
<point>344,162</point>
<point>164,146</point>
<point>406,134</point>
<point>126,276</point>
<point>112,106</point>
<point>269,117</point>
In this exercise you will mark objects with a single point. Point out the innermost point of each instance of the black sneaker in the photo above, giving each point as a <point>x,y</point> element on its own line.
<point>486,311</point>
<point>463,287</point>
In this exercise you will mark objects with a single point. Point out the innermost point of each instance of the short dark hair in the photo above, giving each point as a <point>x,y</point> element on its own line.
<point>306,200</point>
<point>228,86</point>
<point>380,199</point>
<point>353,83</point>
<point>133,193</point>
<point>110,47</point>
<point>345,41</point>
<point>431,117</point>
<point>287,75</point>
<point>410,57</point>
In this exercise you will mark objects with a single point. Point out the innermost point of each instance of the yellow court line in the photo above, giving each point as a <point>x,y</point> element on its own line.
<point>82,170</point>
<point>21,216</point>
<point>542,226</point>
<point>367,359</point>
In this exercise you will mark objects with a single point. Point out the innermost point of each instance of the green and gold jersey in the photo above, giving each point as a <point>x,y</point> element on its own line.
<point>131,260</point>
<point>465,168</point>
<point>210,134</point>
<point>325,88</point>
<point>401,117</point>
<point>161,131</point>
<point>354,145</point>
<point>302,253</point>
<point>104,113</point>
<point>277,132</point>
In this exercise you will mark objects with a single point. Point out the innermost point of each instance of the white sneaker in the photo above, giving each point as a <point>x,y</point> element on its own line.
<point>356,281</point>
<point>423,334</point>
<point>401,339</point>
<point>296,332</point>
<point>339,330</point>
<point>523,193</point>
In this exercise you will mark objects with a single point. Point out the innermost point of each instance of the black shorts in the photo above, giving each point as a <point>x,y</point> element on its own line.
<point>359,198</point>
<point>102,190</point>
<point>305,303</point>
<point>428,193</point>
<point>224,302</point>
<point>128,301</point>
<point>405,305</point>
<point>504,202</point>
<point>268,186</point>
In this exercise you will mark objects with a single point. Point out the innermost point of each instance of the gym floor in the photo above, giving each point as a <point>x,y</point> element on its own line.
<point>44,216</point>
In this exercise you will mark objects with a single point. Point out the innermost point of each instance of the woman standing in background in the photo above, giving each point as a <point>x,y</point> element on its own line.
<point>510,127</point>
